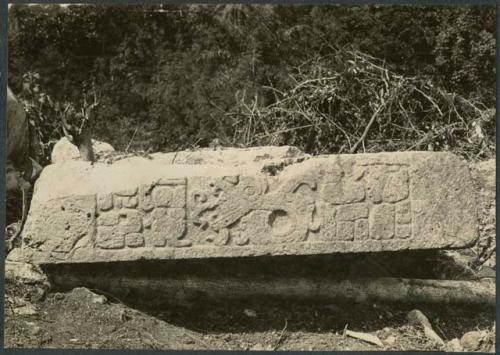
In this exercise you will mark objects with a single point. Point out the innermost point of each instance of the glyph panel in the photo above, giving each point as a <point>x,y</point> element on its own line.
<point>328,204</point>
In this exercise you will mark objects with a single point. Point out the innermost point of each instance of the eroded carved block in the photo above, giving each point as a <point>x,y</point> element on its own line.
<point>374,183</point>
<point>361,229</point>
<point>382,222</point>
<point>108,219</point>
<point>130,221</point>
<point>110,238</point>
<point>396,186</point>
<point>127,192</point>
<point>345,230</point>
<point>169,196</point>
<point>353,203</point>
<point>134,240</point>
<point>168,226</point>
<point>105,202</point>
<point>342,192</point>
<point>147,220</point>
<point>352,212</point>
<point>403,231</point>
<point>403,213</point>
<point>130,202</point>
<point>145,198</point>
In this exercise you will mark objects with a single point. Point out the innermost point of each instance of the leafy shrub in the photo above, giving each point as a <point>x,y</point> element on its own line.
<point>172,77</point>
<point>46,114</point>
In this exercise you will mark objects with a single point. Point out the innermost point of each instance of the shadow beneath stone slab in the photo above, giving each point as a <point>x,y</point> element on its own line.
<point>179,279</point>
<point>171,290</point>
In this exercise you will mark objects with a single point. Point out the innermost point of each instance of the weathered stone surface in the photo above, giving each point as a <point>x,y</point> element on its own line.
<point>482,257</point>
<point>148,208</point>
<point>231,156</point>
<point>26,273</point>
<point>64,150</point>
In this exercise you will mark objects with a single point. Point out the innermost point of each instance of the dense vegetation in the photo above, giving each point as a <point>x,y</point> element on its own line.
<point>325,78</point>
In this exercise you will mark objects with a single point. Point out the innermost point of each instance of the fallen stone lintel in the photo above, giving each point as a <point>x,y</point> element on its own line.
<point>221,289</point>
<point>140,208</point>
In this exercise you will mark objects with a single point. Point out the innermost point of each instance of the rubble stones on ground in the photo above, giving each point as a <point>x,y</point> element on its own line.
<point>369,338</point>
<point>454,345</point>
<point>473,340</point>
<point>260,347</point>
<point>144,208</point>
<point>28,309</point>
<point>86,294</point>
<point>24,272</point>
<point>390,340</point>
<point>39,294</point>
<point>33,329</point>
<point>416,317</point>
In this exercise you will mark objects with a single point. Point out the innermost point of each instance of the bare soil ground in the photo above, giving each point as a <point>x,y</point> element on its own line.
<point>67,317</point>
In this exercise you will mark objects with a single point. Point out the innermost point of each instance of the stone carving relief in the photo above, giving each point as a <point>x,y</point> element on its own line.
<point>341,203</point>
<point>146,216</point>
<point>240,210</point>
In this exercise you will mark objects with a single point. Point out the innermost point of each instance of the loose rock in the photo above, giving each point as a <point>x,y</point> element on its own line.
<point>258,347</point>
<point>454,345</point>
<point>34,329</point>
<point>416,317</point>
<point>25,273</point>
<point>390,340</point>
<point>250,313</point>
<point>369,338</point>
<point>472,340</point>
<point>64,150</point>
<point>99,299</point>
<point>27,310</point>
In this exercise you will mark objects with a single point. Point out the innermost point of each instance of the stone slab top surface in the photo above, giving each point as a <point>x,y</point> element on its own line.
<point>216,205</point>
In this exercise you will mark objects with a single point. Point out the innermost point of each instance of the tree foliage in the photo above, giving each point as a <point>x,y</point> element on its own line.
<point>172,77</point>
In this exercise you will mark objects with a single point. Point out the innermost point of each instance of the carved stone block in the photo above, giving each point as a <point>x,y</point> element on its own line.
<point>108,219</point>
<point>168,226</point>
<point>345,230</point>
<point>382,221</point>
<point>110,238</point>
<point>134,240</point>
<point>361,229</point>
<point>403,231</point>
<point>352,212</point>
<point>396,186</point>
<point>105,202</point>
<point>130,221</point>
<point>145,198</point>
<point>137,208</point>
<point>169,196</point>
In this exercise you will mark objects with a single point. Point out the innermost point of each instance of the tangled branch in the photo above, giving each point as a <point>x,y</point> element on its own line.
<point>349,100</point>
